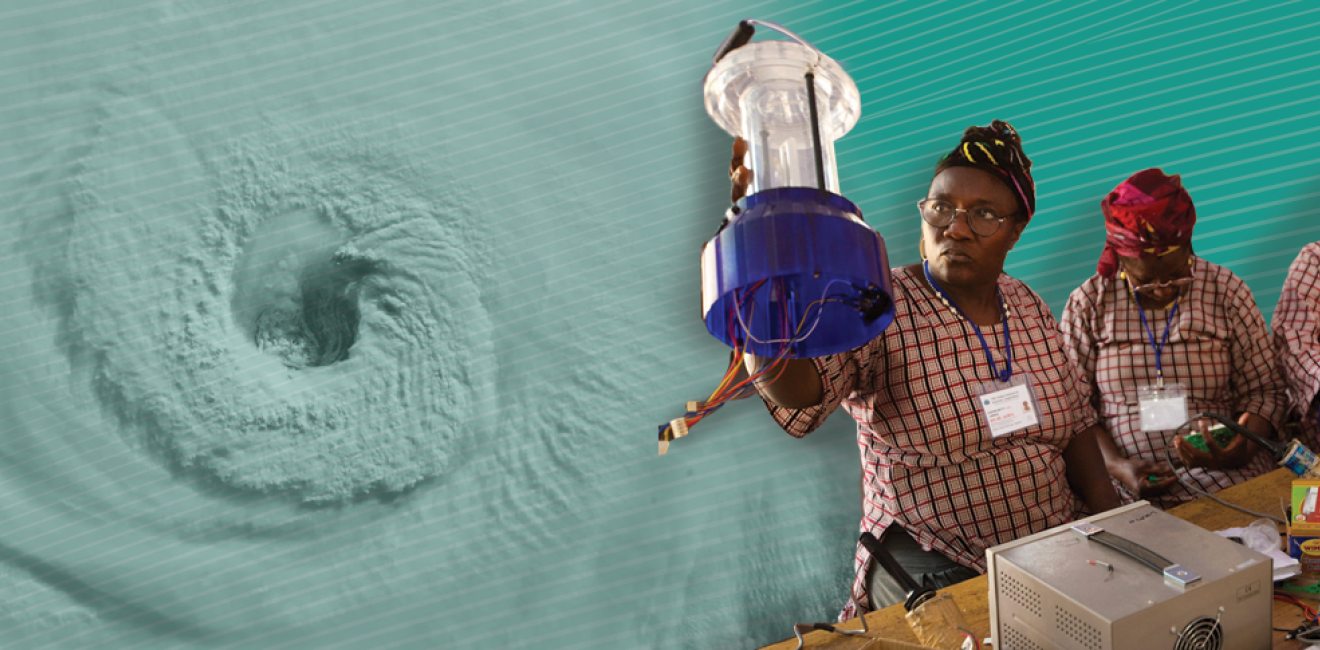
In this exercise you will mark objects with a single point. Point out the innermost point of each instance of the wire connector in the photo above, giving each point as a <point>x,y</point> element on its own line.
<point>677,428</point>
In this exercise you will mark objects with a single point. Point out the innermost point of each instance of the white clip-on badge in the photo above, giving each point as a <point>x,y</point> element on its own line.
<point>1163,407</point>
<point>1008,406</point>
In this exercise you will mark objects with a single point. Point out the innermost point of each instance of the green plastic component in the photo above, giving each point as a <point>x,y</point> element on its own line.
<point>1223,435</point>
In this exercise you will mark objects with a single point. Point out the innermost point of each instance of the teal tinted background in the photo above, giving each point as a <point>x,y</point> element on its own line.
<point>536,312</point>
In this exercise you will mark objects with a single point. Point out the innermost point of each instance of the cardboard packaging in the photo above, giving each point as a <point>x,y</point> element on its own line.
<point>1304,526</point>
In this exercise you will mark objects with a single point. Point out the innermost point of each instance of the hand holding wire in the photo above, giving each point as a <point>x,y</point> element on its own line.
<point>1136,474</point>
<point>1238,453</point>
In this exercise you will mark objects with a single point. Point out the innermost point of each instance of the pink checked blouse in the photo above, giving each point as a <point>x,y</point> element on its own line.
<point>930,465</point>
<point>1218,349</point>
<point>1296,326</point>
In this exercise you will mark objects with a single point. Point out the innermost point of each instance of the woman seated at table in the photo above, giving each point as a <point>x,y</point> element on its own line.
<point>1158,335</point>
<point>1296,326</point>
<point>939,485</point>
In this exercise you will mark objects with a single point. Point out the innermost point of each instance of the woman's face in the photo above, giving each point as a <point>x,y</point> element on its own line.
<point>958,256</point>
<point>1164,272</point>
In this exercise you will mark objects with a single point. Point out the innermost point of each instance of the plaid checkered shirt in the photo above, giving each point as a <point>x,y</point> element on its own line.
<point>1218,350</point>
<point>1296,326</point>
<point>929,463</point>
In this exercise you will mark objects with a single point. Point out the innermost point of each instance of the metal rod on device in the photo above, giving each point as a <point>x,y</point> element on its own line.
<point>815,131</point>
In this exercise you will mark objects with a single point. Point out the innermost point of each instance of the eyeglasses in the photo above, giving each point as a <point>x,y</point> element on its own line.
<point>1152,287</point>
<point>940,214</point>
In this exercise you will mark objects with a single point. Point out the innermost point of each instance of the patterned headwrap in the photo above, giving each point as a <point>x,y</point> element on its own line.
<point>996,149</point>
<point>1148,215</point>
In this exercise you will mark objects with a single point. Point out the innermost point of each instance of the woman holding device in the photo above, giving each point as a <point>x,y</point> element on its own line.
<point>970,426</point>
<point>1158,335</point>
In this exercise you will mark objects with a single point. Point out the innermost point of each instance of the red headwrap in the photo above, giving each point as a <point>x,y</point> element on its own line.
<point>1148,215</point>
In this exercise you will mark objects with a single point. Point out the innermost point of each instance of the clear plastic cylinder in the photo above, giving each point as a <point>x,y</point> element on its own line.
<point>759,92</point>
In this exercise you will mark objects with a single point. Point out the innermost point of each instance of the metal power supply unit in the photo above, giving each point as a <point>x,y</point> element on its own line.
<point>1131,578</point>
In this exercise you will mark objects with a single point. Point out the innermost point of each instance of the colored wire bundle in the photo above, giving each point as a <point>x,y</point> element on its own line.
<point>1307,610</point>
<point>730,388</point>
<point>1308,629</point>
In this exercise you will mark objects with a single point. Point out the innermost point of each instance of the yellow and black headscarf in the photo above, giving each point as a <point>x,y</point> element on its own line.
<point>996,149</point>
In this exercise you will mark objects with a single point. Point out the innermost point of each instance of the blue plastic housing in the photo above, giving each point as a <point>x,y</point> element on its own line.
<point>766,272</point>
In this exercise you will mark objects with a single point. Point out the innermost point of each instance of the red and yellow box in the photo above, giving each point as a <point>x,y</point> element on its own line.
<point>1306,502</point>
<point>1304,528</point>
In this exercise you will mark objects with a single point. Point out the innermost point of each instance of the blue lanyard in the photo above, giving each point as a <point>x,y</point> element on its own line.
<point>1159,348</point>
<point>1008,345</point>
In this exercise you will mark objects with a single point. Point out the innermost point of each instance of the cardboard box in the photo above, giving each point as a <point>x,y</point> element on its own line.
<point>1304,527</point>
<point>1306,503</point>
<point>1305,546</point>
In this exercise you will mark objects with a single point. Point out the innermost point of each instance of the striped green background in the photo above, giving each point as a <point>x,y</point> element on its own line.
<point>578,127</point>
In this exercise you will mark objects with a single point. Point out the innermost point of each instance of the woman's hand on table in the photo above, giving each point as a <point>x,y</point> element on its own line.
<point>1136,475</point>
<point>1236,454</point>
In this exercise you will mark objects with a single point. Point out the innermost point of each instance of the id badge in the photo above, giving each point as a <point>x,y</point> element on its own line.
<point>1008,407</point>
<point>1163,408</point>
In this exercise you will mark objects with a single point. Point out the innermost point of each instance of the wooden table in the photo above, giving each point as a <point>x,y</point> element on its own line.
<point>1262,494</point>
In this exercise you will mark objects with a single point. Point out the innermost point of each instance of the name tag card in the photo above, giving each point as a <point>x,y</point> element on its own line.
<point>1008,407</point>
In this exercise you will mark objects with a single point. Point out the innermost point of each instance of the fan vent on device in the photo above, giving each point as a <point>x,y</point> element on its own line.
<point>1201,634</point>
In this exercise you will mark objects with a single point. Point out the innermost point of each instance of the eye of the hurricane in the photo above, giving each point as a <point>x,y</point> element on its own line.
<point>293,296</point>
